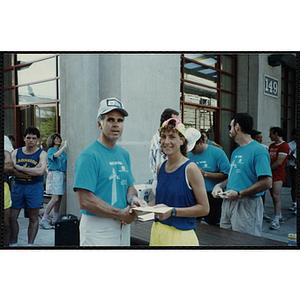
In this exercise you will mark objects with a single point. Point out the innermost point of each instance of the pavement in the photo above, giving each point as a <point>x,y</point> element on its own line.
<point>46,238</point>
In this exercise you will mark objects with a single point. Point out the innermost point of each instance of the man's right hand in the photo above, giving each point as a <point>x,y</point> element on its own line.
<point>215,192</point>
<point>128,216</point>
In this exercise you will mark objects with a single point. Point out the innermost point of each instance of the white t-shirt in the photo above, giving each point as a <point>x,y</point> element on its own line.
<point>7,144</point>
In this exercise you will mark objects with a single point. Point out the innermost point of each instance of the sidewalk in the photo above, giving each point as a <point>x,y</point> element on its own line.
<point>46,238</point>
<point>290,220</point>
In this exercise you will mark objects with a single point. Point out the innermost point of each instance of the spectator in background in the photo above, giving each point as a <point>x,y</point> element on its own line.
<point>28,191</point>
<point>214,166</point>
<point>292,160</point>
<point>11,178</point>
<point>279,151</point>
<point>257,136</point>
<point>209,142</point>
<point>12,140</point>
<point>249,176</point>
<point>155,155</point>
<point>56,178</point>
<point>180,186</point>
<point>8,168</point>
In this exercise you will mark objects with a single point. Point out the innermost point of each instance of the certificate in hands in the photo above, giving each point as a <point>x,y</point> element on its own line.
<point>146,213</point>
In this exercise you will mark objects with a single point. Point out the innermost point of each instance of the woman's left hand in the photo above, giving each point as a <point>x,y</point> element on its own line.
<point>163,216</point>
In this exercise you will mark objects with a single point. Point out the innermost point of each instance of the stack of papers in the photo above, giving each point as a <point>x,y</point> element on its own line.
<point>146,213</point>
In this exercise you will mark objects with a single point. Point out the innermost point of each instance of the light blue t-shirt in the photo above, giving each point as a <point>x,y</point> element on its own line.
<point>248,163</point>
<point>56,164</point>
<point>213,160</point>
<point>105,172</point>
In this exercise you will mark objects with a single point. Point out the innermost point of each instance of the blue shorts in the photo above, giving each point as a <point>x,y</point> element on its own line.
<point>27,195</point>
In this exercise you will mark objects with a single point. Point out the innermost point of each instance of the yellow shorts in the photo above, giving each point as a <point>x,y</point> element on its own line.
<point>164,235</point>
<point>7,198</point>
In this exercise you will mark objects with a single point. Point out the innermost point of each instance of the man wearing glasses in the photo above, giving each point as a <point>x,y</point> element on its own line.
<point>104,182</point>
<point>249,176</point>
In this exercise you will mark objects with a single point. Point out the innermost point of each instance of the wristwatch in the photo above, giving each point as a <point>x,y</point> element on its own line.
<point>239,195</point>
<point>174,212</point>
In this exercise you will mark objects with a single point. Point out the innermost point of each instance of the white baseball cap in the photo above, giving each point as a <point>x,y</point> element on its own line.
<point>192,135</point>
<point>110,104</point>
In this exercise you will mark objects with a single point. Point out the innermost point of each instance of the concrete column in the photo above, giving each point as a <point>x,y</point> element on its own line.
<point>79,94</point>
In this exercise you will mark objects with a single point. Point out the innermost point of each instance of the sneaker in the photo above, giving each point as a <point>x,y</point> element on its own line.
<point>267,218</point>
<point>281,220</point>
<point>293,207</point>
<point>275,225</point>
<point>46,225</point>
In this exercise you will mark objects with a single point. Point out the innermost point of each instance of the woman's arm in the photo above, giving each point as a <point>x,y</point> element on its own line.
<point>60,151</point>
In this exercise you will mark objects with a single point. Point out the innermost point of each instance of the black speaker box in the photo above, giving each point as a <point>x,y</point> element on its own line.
<point>67,230</point>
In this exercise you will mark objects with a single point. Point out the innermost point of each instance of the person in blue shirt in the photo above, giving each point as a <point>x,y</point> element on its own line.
<point>104,183</point>
<point>209,142</point>
<point>214,166</point>
<point>56,178</point>
<point>249,176</point>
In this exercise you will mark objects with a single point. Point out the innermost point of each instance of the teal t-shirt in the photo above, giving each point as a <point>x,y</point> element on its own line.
<point>56,164</point>
<point>105,172</point>
<point>213,160</point>
<point>248,163</point>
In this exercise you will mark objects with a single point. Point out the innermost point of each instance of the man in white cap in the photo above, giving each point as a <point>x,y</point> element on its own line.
<point>214,166</point>
<point>104,183</point>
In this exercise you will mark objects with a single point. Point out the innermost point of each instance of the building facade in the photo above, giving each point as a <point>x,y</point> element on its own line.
<point>61,92</point>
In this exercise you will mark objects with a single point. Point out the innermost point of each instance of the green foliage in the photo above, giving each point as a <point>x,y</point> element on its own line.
<point>46,123</point>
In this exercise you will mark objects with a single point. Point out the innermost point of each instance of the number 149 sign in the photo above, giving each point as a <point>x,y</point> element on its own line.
<point>271,86</point>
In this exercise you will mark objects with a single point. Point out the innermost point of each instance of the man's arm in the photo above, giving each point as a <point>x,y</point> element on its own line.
<point>264,183</point>
<point>14,172</point>
<point>8,163</point>
<point>38,170</point>
<point>214,176</point>
<point>93,204</point>
<point>216,145</point>
<point>132,197</point>
<point>280,159</point>
<point>218,188</point>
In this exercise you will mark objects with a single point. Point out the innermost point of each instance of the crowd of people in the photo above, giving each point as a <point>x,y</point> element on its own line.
<point>193,179</point>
